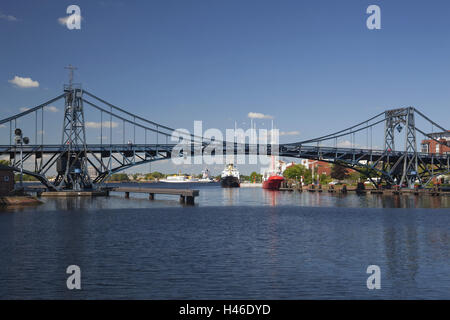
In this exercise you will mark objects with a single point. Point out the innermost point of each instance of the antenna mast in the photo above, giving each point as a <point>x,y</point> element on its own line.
<point>70,68</point>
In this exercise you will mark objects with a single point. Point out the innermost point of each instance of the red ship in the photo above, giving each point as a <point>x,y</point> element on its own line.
<point>273,182</point>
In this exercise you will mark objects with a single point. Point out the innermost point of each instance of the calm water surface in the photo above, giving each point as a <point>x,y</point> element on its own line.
<point>234,243</point>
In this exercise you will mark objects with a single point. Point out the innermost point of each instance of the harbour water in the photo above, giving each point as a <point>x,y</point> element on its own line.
<point>245,243</point>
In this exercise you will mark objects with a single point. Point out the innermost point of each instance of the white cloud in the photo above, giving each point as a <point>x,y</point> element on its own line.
<point>63,20</point>
<point>97,125</point>
<point>344,144</point>
<point>46,108</point>
<point>7,17</point>
<point>348,144</point>
<point>51,108</point>
<point>2,126</point>
<point>257,115</point>
<point>24,82</point>
<point>289,133</point>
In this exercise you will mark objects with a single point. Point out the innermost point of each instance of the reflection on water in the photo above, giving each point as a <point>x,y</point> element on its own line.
<point>214,195</point>
<point>230,196</point>
<point>244,243</point>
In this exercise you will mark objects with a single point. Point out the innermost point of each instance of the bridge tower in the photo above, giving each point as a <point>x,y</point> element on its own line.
<point>404,169</point>
<point>71,166</point>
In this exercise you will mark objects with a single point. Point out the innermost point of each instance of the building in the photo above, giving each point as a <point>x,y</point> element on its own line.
<point>284,165</point>
<point>278,167</point>
<point>6,180</point>
<point>431,146</point>
<point>319,167</point>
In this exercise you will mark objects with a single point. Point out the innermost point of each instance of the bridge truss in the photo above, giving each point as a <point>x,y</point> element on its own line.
<point>408,166</point>
<point>74,155</point>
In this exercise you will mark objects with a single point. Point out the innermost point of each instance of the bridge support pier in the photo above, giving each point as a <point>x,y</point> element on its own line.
<point>190,201</point>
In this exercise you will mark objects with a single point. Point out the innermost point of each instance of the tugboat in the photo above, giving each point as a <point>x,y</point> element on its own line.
<point>230,177</point>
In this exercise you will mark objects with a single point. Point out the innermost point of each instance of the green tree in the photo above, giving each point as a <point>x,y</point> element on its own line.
<point>155,175</point>
<point>254,176</point>
<point>369,173</point>
<point>294,172</point>
<point>122,177</point>
<point>297,171</point>
<point>4,162</point>
<point>339,172</point>
<point>324,179</point>
<point>245,178</point>
<point>355,177</point>
<point>149,176</point>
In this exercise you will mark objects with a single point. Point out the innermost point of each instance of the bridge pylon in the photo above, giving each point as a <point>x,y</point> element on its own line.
<point>405,169</point>
<point>71,166</point>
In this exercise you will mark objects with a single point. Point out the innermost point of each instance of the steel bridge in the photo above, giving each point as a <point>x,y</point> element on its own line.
<point>71,158</point>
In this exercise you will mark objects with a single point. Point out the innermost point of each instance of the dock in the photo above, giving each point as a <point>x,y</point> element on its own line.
<point>93,193</point>
<point>187,196</point>
<point>18,201</point>
<point>434,192</point>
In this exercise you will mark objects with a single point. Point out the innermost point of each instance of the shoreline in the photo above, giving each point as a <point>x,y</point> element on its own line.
<point>18,201</point>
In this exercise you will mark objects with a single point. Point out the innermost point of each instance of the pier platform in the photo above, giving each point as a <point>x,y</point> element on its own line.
<point>94,193</point>
<point>187,196</point>
<point>18,201</point>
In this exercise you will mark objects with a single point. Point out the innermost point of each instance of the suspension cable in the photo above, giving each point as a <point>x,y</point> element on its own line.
<point>19,115</point>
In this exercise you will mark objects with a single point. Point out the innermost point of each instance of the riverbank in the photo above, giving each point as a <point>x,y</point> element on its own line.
<point>19,201</point>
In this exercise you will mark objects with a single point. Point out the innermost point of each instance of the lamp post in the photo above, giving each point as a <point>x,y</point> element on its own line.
<point>20,140</point>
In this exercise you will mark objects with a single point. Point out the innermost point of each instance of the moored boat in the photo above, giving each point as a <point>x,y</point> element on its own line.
<point>273,182</point>
<point>230,177</point>
<point>179,178</point>
<point>175,179</point>
<point>205,177</point>
<point>272,178</point>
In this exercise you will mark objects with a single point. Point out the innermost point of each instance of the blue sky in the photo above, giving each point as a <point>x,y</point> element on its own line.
<point>312,65</point>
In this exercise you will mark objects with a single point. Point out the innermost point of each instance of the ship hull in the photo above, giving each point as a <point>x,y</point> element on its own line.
<point>230,182</point>
<point>273,183</point>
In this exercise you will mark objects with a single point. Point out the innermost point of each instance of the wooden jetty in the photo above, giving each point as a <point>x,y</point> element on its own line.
<point>68,194</point>
<point>186,195</point>
<point>18,201</point>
